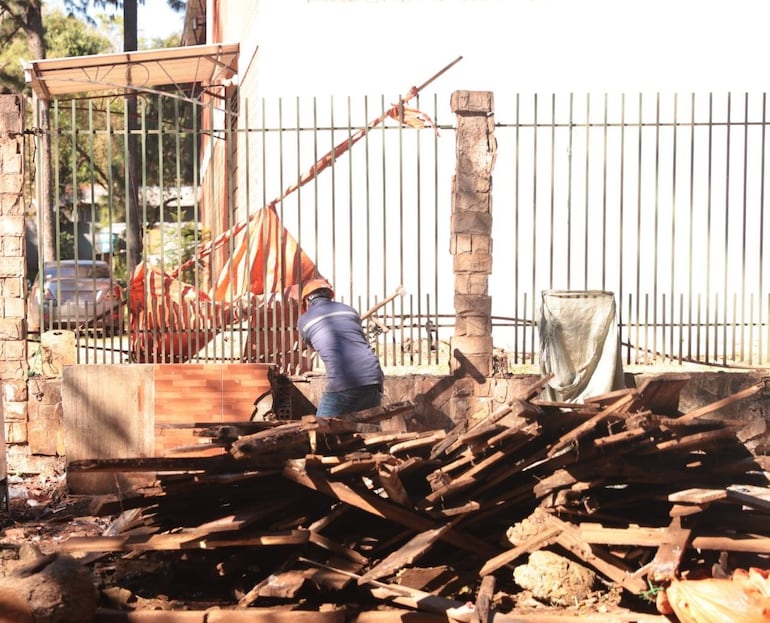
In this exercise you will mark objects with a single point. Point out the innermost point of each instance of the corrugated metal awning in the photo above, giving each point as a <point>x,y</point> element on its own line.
<point>143,69</point>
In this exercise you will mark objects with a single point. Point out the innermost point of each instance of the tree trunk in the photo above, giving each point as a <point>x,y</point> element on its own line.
<point>33,28</point>
<point>133,230</point>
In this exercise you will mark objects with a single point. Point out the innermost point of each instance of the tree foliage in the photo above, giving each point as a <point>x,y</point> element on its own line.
<point>63,35</point>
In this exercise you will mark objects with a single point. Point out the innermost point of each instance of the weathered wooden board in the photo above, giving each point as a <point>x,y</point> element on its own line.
<point>108,412</point>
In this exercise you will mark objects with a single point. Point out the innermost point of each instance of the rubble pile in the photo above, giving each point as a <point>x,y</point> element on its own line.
<point>339,516</point>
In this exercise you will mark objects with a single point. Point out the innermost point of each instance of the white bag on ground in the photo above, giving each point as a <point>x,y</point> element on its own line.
<point>579,344</point>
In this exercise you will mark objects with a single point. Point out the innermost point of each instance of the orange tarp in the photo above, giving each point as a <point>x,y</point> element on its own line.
<point>265,259</point>
<point>172,320</point>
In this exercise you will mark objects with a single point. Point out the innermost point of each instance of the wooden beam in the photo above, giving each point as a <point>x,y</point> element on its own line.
<point>381,508</point>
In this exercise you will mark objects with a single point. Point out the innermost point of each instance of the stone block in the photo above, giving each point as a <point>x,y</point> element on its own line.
<point>45,391</point>
<point>471,223</point>
<point>466,242</point>
<point>11,228</point>
<point>472,102</point>
<point>473,200</point>
<point>478,365</point>
<point>460,243</point>
<point>45,430</point>
<point>12,287</point>
<point>15,432</point>
<point>473,326</point>
<point>13,370</point>
<point>12,266</point>
<point>15,411</point>
<point>476,305</point>
<point>14,390</point>
<point>12,245</point>
<point>476,284</point>
<point>472,263</point>
<point>14,307</point>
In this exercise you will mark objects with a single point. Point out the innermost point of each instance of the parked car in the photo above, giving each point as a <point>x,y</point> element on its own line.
<point>77,295</point>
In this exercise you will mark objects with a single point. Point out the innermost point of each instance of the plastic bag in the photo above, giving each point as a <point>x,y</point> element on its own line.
<point>742,598</point>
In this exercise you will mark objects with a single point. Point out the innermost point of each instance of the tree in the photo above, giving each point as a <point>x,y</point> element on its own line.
<point>24,18</point>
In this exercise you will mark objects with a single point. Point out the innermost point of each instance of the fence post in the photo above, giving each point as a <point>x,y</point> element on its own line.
<point>13,338</point>
<point>471,242</point>
<point>471,231</point>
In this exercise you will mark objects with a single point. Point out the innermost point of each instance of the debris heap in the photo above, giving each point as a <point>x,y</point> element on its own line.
<point>336,515</point>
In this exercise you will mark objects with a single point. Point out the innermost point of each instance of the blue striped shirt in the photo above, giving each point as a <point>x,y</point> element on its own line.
<point>334,331</point>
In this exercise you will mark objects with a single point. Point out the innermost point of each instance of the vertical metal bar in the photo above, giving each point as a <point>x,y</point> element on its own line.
<point>569,192</point>
<point>646,341</point>
<point>384,210</point>
<point>725,256</point>
<point>525,307</point>
<point>244,317</point>
<point>280,327</point>
<point>681,326</point>
<point>716,327</point>
<point>761,234</point>
<point>195,181</point>
<point>656,229</point>
<point>673,245</point>
<point>586,191</point>
<point>691,238</point>
<point>552,173</point>
<point>75,193</point>
<point>264,312</point>
<point>192,346</point>
<point>605,129</point>
<point>662,355</point>
<point>368,202</point>
<point>534,218</point>
<point>744,234</point>
<point>435,235</point>
<point>400,220</point>
<point>734,328</point>
<point>698,331</point>
<point>351,223</point>
<point>209,319</point>
<point>640,126</point>
<point>292,360</point>
<point>87,337</point>
<point>418,239</point>
<point>751,330</point>
<point>173,342</point>
<point>621,221</point>
<point>517,313</point>
<point>629,329</point>
<point>707,294</point>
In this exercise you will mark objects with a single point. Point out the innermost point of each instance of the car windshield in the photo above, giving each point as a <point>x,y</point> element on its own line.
<point>91,271</point>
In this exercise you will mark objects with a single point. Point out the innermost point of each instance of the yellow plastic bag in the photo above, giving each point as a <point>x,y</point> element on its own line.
<point>742,598</point>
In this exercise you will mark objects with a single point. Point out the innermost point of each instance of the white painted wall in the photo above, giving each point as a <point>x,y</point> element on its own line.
<point>296,50</point>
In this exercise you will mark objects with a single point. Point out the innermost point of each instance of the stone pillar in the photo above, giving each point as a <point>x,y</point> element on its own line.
<point>471,233</point>
<point>13,335</point>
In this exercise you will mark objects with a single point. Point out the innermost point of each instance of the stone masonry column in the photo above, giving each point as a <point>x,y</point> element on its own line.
<point>471,244</point>
<point>13,342</point>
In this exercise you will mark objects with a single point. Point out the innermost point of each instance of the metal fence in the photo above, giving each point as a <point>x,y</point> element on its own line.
<point>658,199</point>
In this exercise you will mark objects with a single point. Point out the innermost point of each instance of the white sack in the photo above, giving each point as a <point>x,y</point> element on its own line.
<point>579,344</point>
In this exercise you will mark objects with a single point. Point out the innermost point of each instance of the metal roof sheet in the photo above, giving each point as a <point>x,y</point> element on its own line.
<point>139,70</point>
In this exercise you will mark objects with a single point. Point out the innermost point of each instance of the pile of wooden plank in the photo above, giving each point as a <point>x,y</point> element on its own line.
<point>338,511</point>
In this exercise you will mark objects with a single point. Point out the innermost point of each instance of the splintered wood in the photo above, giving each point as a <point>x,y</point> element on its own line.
<point>623,484</point>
